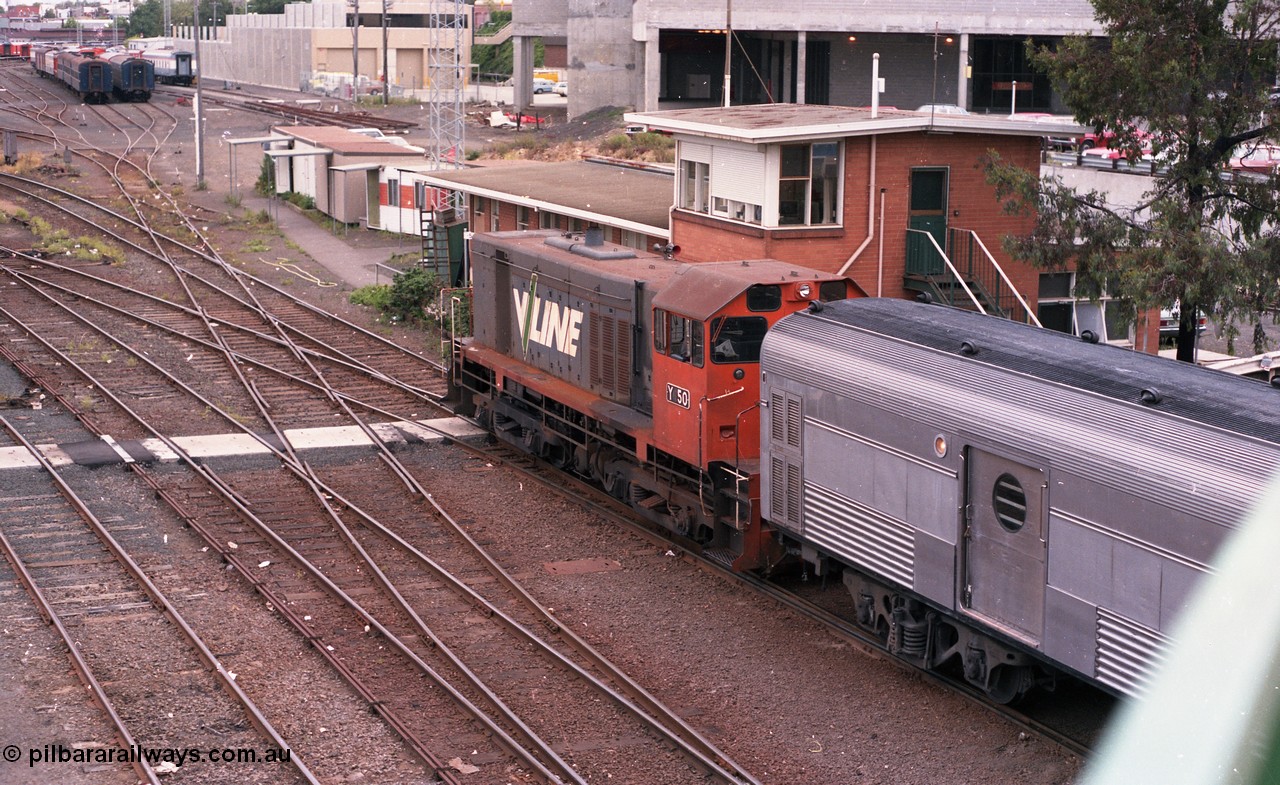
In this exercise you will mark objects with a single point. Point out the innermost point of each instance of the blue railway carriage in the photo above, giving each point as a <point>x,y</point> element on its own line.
<point>86,74</point>
<point>171,67</point>
<point>132,77</point>
<point>1009,500</point>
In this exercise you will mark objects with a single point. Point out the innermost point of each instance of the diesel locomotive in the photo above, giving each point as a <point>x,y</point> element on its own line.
<point>1001,500</point>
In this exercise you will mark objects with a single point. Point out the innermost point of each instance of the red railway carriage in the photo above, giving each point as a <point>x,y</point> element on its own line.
<point>632,369</point>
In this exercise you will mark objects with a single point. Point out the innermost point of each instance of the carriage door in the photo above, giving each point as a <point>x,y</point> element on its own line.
<point>1004,558</point>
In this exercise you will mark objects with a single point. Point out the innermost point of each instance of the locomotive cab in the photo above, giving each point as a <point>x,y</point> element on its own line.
<point>708,326</point>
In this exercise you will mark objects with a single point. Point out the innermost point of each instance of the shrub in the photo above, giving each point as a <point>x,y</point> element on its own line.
<point>376,296</point>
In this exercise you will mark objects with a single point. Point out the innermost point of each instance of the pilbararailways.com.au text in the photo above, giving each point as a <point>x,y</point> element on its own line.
<point>179,756</point>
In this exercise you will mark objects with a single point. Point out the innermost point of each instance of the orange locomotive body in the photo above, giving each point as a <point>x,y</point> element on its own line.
<point>635,371</point>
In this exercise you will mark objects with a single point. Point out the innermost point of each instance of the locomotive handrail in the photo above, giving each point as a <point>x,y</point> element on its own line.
<point>959,278</point>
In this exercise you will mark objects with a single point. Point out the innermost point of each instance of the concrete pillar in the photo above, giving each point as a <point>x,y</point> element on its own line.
<point>802,63</point>
<point>962,79</point>
<point>522,70</point>
<point>652,73</point>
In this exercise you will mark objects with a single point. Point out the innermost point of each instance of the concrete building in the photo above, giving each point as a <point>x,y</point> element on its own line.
<point>652,54</point>
<point>311,47</point>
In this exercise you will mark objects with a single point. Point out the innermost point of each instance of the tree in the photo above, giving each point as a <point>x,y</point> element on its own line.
<point>147,20</point>
<point>1190,78</point>
<point>268,6</point>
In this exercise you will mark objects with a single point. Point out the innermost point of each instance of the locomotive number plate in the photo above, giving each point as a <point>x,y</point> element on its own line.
<point>678,395</point>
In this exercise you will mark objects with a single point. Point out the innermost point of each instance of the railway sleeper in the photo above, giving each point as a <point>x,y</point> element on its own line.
<point>928,638</point>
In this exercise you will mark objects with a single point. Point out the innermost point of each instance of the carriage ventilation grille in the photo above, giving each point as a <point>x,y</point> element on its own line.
<point>784,492</point>
<point>866,537</point>
<point>1127,653</point>
<point>784,419</point>
<point>610,356</point>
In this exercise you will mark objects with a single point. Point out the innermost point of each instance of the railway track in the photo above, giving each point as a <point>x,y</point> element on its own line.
<point>111,617</point>
<point>408,651</point>
<point>1071,720</point>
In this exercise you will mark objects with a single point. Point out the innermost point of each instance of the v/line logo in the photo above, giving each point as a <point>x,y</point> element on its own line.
<point>546,323</point>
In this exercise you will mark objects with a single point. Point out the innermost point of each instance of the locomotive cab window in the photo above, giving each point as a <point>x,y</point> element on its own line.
<point>737,339</point>
<point>763,298</point>
<point>678,337</point>
<point>832,290</point>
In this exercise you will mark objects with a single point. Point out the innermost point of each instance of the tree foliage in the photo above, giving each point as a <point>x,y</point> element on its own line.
<point>1191,79</point>
<point>146,20</point>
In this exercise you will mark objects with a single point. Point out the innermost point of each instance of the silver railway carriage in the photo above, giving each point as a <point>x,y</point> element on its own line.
<point>171,67</point>
<point>1001,496</point>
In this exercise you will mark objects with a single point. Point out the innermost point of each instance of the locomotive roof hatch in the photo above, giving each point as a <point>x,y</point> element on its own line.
<point>700,290</point>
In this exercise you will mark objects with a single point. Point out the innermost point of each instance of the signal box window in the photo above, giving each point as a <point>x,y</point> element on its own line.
<point>678,337</point>
<point>737,339</point>
<point>763,298</point>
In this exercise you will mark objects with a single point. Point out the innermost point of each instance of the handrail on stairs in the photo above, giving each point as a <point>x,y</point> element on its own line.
<point>956,273</point>
<point>1000,270</point>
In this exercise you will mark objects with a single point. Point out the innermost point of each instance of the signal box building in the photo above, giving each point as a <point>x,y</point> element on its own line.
<point>896,200</point>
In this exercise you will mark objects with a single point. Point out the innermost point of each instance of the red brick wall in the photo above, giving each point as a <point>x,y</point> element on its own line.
<point>972,205</point>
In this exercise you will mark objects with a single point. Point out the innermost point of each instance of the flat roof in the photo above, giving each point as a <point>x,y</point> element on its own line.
<point>343,141</point>
<point>766,123</point>
<point>634,199</point>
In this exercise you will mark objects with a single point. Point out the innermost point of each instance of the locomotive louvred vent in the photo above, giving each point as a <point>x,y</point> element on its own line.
<point>610,360</point>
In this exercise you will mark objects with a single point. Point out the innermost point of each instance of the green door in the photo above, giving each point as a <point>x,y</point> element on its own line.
<point>927,213</point>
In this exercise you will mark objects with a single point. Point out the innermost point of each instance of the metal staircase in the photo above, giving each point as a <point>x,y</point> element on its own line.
<point>967,277</point>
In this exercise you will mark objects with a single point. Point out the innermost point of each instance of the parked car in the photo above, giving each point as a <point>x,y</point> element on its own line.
<point>1263,158</point>
<point>941,109</point>
<point>561,88</point>
<point>543,86</point>
<point>1169,322</point>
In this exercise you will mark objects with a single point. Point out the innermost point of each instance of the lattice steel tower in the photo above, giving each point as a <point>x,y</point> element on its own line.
<point>447,20</point>
<point>445,83</point>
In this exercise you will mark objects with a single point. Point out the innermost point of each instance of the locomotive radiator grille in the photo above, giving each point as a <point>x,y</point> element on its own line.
<point>610,356</point>
<point>1127,652</point>
<point>866,537</point>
